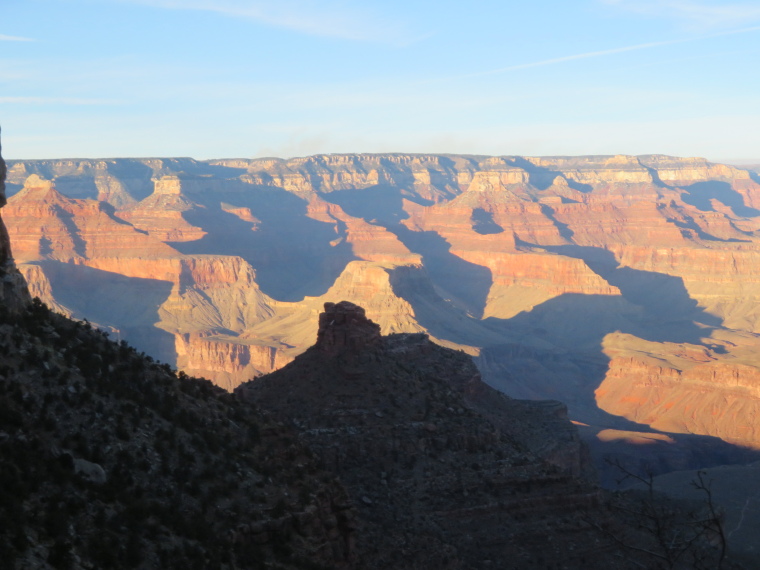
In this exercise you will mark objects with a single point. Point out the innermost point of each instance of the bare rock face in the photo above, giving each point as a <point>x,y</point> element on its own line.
<point>227,359</point>
<point>13,292</point>
<point>162,214</point>
<point>530,264</point>
<point>708,398</point>
<point>45,224</point>
<point>344,327</point>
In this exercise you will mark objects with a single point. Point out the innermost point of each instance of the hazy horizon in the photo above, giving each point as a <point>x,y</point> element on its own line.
<point>748,162</point>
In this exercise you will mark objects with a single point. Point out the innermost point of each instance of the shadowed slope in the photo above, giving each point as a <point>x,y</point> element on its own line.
<point>445,472</point>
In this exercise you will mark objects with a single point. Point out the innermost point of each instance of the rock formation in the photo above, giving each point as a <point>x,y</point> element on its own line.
<point>535,266</point>
<point>368,452</point>
<point>13,293</point>
<point>112,461</point>
<point>443,470</point>
<point>684,388</point>
<point>344,327</point>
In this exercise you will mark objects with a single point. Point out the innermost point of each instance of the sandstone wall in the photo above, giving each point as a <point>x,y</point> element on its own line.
<point>528,263</point>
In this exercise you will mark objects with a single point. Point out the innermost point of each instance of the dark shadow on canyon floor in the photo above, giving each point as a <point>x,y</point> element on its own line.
<point>293,254</point>
<point>466,282</point>
<point>700,195</point>
<point>483,223</point>
<point>554,351</point>
<point>381,205</point>
<point>127,305</point>
<point>668,312</point>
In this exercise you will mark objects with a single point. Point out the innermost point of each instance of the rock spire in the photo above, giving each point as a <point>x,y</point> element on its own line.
<point>345,327</point>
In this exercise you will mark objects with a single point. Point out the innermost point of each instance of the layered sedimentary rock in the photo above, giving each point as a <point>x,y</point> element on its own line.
<point>528,263</point>
<point>227,358</point>
<point>43,223</point>
<point>161,213</point>
<point>470,477</point>
<point>685,388</point>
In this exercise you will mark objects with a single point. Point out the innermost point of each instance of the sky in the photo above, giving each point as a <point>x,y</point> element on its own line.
<point>253,78</point>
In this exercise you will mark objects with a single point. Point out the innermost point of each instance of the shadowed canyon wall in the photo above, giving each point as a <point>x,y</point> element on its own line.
<point>625,286</point>
<point>13,293</point>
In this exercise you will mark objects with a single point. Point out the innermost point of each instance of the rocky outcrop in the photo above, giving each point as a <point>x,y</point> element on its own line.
<point>709,398</point>
<point>229,360</point>
<point>110,460</point>
<point>45,224</point>
<point>442,469</point>
<point>345,327</point>
<point>162,214</point>
<point>527,263</point>
<point>14,296</point>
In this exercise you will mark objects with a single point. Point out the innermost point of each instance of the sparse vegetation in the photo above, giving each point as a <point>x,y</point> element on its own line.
<point>680,535</point>
<point>180,459</point>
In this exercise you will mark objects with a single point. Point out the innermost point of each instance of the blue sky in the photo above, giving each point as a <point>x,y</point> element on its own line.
<point>247,78</point>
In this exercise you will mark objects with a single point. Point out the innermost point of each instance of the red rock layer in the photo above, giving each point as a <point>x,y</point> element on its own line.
<point>715,398</point>
<point>492,254</point>
<point>44,224</point>
<point>228,360</point>
<point>370,242</point>
<point>162,213</point>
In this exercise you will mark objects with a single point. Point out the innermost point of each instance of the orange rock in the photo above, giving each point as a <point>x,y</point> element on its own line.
<point>648,262</point>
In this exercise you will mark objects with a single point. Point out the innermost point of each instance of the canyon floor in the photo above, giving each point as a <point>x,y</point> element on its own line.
<point>626,287</point>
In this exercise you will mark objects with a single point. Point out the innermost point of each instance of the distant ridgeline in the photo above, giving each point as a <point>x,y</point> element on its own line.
<point>624,286</point>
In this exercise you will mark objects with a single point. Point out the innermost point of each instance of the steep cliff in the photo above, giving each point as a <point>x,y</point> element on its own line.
<point>527,263</point>
<point>13,293</point>
<point>684,388</point>
<point>162,214</point>
<point>364,452</point>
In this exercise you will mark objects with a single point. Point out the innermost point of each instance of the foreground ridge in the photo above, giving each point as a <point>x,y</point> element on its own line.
<point>444,471</point>
<point>109,460</point>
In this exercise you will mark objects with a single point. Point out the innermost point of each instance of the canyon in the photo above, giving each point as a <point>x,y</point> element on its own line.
<point>364,451</point>
<point>626,287</point>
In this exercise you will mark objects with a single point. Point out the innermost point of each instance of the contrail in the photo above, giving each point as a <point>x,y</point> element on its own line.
<point>4,38</point>
<point>605,52</point>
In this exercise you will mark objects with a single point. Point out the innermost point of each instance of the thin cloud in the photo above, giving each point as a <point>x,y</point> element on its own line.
<point>4,38</point>
<point>601,53</point>
<point>697,15</point>
<point>343,19</point>
<point>56,101</point>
